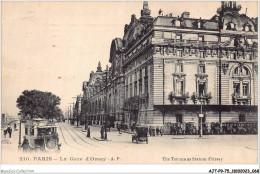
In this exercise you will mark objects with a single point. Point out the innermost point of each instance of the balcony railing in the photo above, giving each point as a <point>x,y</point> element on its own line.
<point>201,97</point>
<point>179,97</point>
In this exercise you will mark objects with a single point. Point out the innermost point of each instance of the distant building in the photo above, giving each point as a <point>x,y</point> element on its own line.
<point>168,66</point>
<point>103,94</point>
<point>3,120</point>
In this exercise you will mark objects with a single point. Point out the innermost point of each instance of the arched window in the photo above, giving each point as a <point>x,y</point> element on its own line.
<point>245,71</point>
<point>236,71</point>
<point>241,86</point>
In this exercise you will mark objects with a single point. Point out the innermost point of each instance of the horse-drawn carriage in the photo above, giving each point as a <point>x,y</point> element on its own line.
<point>140,134</point>
<point>42,135</point>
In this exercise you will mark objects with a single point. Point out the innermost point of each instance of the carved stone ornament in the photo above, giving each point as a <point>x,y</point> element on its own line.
<point>256,68</point>
<point>225,67</point>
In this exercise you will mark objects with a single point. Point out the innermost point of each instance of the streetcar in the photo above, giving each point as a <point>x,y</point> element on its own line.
<point>42,135</point>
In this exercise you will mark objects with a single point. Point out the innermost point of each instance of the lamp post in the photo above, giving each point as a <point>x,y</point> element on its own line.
<point>106,109</point>
<point>20,130</point>
<point>200,116</point>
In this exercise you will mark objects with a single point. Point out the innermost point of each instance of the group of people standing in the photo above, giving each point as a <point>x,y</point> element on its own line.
<point>8,129</point>
<point>155,131</point>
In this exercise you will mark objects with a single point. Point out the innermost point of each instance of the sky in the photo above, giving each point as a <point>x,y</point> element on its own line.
<point>53,46</point>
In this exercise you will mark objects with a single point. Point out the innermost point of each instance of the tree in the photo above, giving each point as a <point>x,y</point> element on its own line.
<point>39,104</point>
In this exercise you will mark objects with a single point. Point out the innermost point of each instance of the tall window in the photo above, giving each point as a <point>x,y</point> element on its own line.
<point>146,80</point>
<point>202,88</point>
<point>140,82</point>
<point>237,88</point>
<point>135,88</point>
<point>179,87</point>
<point>245,89</point>
<point>131,86</point>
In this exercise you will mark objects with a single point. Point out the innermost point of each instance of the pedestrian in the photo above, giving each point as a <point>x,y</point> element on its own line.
<point>153,131</point>
<point>161,130</point>
<point>9,130</point>
<point>157,131</point>
<point>102,132</point>
<point>150,131</point>
<point>119,128</point>
<point>25,145</point>
<point>14,126</point>
<point>5,130</point>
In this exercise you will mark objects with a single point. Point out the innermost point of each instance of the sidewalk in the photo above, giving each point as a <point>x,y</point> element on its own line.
<point>128,131</point>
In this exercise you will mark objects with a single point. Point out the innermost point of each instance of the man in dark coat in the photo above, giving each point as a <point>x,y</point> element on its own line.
<point>9,130</point>
<point>25,144</point>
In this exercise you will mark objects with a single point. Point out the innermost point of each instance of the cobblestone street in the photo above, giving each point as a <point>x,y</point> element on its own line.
<point>166,149</point>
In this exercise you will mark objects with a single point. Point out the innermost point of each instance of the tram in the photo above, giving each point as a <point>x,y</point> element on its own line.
<point>42,135</point>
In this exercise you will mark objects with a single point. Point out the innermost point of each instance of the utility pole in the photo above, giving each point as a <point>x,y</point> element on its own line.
<point>106,107</point>
<point>71,111</point>
<point>20,130</point>
<point>78,101</point>
<point>68,114</point>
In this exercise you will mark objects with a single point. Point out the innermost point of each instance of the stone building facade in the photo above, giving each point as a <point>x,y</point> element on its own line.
<point>165,68</point>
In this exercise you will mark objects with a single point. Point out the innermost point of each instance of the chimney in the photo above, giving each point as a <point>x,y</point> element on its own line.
<point>185,14</point>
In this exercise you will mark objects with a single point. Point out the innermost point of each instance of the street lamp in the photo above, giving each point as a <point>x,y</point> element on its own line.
<point>106,109</point>
<point>201,116</point>
<point>20,130</point>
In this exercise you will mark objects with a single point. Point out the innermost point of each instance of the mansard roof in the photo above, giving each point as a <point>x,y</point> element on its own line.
<point>186,22</point>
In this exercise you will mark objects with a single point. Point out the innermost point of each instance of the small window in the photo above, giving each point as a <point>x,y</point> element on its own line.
<point>201,54</point>
<point>249,56</point>
<point>179,53</point>
<point>242,118</point>
<point>199,24</point>
<point>202,69</point>
<point>177,23</point>
<point>246,28</point>
<point>178,37</point>
<point>201,38</point>
<point>233,56</point>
